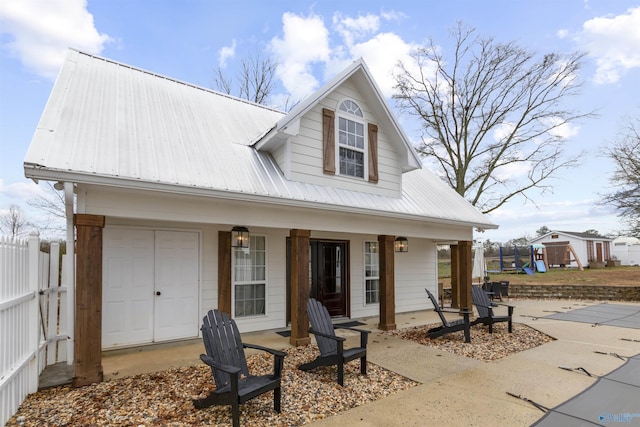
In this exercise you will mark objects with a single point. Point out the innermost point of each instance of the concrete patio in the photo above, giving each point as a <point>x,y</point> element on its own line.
<point>454,390</point>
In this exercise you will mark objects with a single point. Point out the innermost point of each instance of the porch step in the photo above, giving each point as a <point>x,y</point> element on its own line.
<point>55,375</point>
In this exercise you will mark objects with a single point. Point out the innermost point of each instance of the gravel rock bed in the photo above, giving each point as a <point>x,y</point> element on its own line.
<point>164,398</point>
<point>483,346</point>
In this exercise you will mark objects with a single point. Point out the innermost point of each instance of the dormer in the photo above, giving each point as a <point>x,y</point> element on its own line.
<point>343,136</point>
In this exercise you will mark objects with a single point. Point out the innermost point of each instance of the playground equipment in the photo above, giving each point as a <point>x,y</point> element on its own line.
<point>540,257</point>
<point>526,259</point>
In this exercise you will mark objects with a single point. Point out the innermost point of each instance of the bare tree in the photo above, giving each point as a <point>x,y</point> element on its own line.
<point>14,223</point>
<point>52,205</point>
<point>625,153</point>
<point>491,114</point>
<point>255,80</point>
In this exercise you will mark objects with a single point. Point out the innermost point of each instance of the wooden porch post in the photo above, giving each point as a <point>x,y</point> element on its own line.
<point>224,272</point>
<point>387,283</point>
<point>88,320</point>
<point>464,274</point>
<point>299,287</point>
<point>455,284</point>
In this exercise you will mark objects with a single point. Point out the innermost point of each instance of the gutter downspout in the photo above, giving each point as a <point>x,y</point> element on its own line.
<point>70,273</point>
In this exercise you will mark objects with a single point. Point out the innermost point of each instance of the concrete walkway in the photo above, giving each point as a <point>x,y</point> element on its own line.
<point>454,390</point>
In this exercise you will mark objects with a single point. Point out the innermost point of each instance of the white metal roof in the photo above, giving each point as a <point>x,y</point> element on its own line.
<point>111,124</point>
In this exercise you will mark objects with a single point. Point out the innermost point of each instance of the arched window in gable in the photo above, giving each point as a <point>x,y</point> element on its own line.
<point>351,140</point>
<point>357,151</point>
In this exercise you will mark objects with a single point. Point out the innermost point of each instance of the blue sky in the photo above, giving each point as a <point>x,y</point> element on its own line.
<point>312,41</point>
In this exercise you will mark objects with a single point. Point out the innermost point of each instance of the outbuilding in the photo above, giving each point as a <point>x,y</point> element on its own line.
<point>626,249</point>
<point>574,249</point>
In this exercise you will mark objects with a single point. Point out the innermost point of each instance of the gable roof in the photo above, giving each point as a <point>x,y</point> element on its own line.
<point>361,75</point>
<point>108,123</point>
<point>578,235</point>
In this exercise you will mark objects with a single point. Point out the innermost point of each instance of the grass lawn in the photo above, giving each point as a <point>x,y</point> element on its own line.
<point>618,276</point>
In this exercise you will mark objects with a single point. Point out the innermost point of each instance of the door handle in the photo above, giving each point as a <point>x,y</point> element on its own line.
<point>158,293</point>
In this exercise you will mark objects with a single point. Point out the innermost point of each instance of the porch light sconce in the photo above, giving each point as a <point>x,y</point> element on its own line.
<point>401,244</point>
<point>240,237</point>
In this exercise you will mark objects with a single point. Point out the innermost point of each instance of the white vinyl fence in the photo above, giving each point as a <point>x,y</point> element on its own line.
<point>32,318</point>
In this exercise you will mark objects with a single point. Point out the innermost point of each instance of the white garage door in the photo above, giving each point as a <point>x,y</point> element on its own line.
<point>150,286</point>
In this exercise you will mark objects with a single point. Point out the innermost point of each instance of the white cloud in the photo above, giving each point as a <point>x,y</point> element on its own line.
<point>615,43</point>
<point>392,15</point>
<point>515,220</point>
<point>307,49</point>
<point>382,54</point>
<point>352,29</point>
<point>19,192</point>
<point>42,31</point>
<point>561,130</point>
<point>305,41</point>
<point>225,53</point>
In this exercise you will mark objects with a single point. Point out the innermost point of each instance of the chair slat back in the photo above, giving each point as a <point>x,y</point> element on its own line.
<point>223,343</point>
<point>481,301</point>
<point>437,308</point>
<point>321,321</point>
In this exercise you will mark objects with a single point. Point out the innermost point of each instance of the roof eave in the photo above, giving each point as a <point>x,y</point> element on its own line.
<point>39,172</point>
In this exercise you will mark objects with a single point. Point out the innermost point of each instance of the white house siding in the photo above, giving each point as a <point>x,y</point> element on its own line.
<point>281,157</point>
<point>276,268</point>
<point>306,151</point>
<point>415,271</point>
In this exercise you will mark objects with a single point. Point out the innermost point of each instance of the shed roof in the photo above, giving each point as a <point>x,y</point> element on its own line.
<point>578,235</point>
<point>108,123</point>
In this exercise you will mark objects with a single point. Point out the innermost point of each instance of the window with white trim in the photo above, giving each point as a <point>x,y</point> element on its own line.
<point>352,145</point>
<point>249,278</point>
<point>371,272</point>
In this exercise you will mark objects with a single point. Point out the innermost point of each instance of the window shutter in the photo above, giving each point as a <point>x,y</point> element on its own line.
<point>328,141</point>
<point>373,152</point>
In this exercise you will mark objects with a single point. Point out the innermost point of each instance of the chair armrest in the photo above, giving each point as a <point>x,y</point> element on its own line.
<point>506,305</point>
<point>225,368</point>
<point>333,337</point>
<point>456,311</point>
<point>364,334</point>
<point>278,360</point>
<point>444,310</point>
<point>509,308</point>
<point>267,349</point>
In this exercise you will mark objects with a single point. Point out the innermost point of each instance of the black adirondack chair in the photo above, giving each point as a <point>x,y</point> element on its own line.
<point>332,351</point>
<point>485,309</point>
<point>225,356</point>
<point>447,326</point>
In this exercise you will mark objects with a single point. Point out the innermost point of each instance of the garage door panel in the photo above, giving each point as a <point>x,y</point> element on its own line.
<point>177,276</point>
<point>128,287</point>
<point>112,323</point>
<point>139,264</point>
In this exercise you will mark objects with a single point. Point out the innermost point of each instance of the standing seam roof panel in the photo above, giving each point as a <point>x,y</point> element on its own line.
<point>148,128</point>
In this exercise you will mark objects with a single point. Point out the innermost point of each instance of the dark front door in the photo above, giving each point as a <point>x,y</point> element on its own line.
<point>329,275</point>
